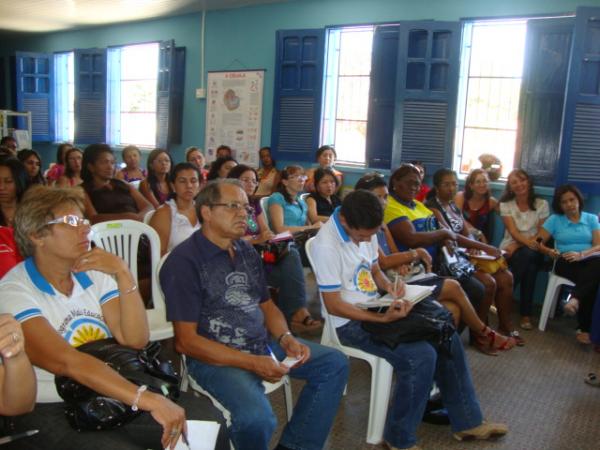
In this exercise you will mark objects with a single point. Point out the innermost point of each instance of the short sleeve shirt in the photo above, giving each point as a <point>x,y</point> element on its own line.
<point>341,265</point>
<point>526,222</point>
<point>421,217</point>
<point>569,236</point>
<point>222,295</point>
<point>324,207</point>
<point>78,318</point>
<point>294,214</point>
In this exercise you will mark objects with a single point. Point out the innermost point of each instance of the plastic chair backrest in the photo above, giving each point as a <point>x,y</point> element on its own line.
<point>148,216</point>
<point>264,205</point>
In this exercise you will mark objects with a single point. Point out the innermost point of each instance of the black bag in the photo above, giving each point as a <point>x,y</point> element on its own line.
<point>456,265</point>
<point>427,321</point>
<point>300,237</point>
<point>273,252</point>
<point>88,410</point>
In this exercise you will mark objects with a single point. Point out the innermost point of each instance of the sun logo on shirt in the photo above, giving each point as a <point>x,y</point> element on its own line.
<point>87,333</point>
<point>364,280</point>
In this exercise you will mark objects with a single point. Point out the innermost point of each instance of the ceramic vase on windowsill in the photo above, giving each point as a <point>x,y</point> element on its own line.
<point>492,165</point>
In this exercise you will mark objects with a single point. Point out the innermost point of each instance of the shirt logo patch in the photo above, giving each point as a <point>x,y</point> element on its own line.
<point>236,292</point>
<point>85,330</point>
<point>363,280</point>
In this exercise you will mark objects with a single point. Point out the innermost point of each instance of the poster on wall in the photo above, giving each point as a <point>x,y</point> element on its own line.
<point>233,114</point>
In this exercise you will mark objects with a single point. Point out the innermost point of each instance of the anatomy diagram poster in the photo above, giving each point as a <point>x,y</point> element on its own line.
<point>233,114</point>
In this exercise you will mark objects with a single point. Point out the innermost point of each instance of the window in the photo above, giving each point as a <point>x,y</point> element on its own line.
<point>492,59</point>
<point>64,102</point>
<point>346,99</point>
<point>132,84</point>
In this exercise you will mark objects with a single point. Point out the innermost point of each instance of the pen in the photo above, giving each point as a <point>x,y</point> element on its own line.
<point>185,439</point>
<point>396,278</point>
<point>14,437</point>
<point>165,391</point>
<point>272,355</point>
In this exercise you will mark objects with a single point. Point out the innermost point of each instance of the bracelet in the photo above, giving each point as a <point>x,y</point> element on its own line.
<point>414,254</point>
<point>130,290</point>
<point>140,391</point>
<point>280,338</point>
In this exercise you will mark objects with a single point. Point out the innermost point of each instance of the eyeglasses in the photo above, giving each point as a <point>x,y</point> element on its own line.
<point>372,176</point>
<point>298,177</point>
<point>71,220</point>
<point>249,181</point>
<point>235,207</point>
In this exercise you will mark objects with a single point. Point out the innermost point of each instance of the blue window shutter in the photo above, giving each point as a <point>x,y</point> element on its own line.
<point>579,162</point>
<point>382,97</point>
<point>297,95</point>
<point>35,92</point>
<point>90,95</point>
<point>547,54</point>
<point>426,91</point>
<point>169,94</point>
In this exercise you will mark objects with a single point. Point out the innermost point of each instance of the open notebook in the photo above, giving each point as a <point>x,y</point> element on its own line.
<point>414,293</point>
<point>202,435</point>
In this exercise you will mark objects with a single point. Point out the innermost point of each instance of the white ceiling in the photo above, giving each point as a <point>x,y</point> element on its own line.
<point>54,15</point>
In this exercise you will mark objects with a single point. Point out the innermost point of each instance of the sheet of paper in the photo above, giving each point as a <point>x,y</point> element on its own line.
<point>284,236</point>
<point>201,434</point>
<point>290,361</point>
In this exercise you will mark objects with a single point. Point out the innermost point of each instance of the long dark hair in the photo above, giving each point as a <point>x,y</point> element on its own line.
<point>237,171</point>
<point>438,176</point>
<point>562,190</point>
<point>179,168</point>
<point>273,162</point>
<point>60,157</point>
<point>470,180</point>
<point>68,171</point>
<point>90,155</point>
<point>19,175</point>
<point>152,178</point>
<point>285,174</point>
<point>23,155</point>
<point>509,195</point>
<point>213,172</point>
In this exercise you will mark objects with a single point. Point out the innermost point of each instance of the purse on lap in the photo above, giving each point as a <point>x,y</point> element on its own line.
<point>87,410</point>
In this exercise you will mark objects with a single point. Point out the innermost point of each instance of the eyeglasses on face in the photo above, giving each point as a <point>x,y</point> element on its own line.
<point>298,177</point>
<point>235,207</point>
<point>249,181</point>
<point>71,220</point>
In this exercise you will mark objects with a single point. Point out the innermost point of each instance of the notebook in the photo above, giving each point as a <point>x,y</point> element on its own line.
<point>201,434</point>
<point>414,293</point>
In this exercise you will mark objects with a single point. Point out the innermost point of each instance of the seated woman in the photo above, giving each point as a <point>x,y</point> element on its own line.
<point>413,225</point>
<point>220,167</point>
<point>132,172</point>
<point>106,197</point>
<point>477,205</point>
<point>195,156</point>
<point>33,166</point>
<point>13,184</point>
<point>499,285</point>
<point>286,274</point>
<point>324,200</point>
<point>176,220</point>
<point>9,253</point>
<point>325,156</point>
<point>447,291</point>
<point>344,254</point>
<point>576,236</point>
<point>72,175</point>
<point>523,214</point>
<point>17,380</point>
<point>57,169</point>
<point>268,175</point>
<point>156,187</point>
<point>65,295</point>
<point>287,210</point>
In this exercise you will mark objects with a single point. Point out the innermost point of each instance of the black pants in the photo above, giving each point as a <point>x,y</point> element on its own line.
<point>586,276</point>
<point>525,265</point>
<point>140,434</point>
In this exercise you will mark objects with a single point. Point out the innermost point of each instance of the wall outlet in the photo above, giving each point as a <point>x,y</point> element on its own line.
<point>200,93</point>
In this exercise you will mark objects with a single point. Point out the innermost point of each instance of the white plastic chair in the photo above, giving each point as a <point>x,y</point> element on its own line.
<point>552,291</point>
<point>264,205</point>
<point>122,238</point>
<point>148,216</point>
<point>381,370</point>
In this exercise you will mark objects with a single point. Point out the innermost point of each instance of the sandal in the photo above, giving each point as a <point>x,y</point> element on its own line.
<point>583,337</point>
<point>488,342</point>
<point>525,323</point>
<point>519,341</point>
<point>592,379</point>
<point>571,307</point>
<point>307,325</point>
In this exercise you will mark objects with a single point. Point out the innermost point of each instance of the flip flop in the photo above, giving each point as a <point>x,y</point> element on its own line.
<point>592,379</point>
<point>583,337</point>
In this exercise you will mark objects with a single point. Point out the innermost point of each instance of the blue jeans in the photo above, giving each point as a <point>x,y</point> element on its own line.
<point>252,419</point>
<point>525,264</point>
<point>417,365</point>
<point>287,276</point>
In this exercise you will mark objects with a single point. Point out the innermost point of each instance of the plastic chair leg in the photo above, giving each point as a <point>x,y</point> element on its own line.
<point>381,384</point>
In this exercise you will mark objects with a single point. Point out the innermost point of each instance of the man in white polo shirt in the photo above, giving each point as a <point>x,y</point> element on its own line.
<point>344,255</point>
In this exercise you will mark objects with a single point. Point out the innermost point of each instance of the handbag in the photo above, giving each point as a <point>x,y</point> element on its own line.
<point>489,265</point>
<point>428,320</point>
<point>456,265</point>
<point>273,252</point>
<point>87,410</point>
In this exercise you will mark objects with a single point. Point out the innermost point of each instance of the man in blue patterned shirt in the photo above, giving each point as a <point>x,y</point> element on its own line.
<point>232,333</point>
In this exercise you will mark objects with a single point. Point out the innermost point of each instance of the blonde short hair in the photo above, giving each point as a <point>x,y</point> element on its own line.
<point>36,209</point>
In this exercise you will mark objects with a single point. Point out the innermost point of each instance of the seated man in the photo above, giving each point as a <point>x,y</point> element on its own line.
<point>218,301</point>
<point>345,258</point>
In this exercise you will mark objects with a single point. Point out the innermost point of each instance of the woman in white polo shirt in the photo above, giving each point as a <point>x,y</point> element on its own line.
<point>65,295</point>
